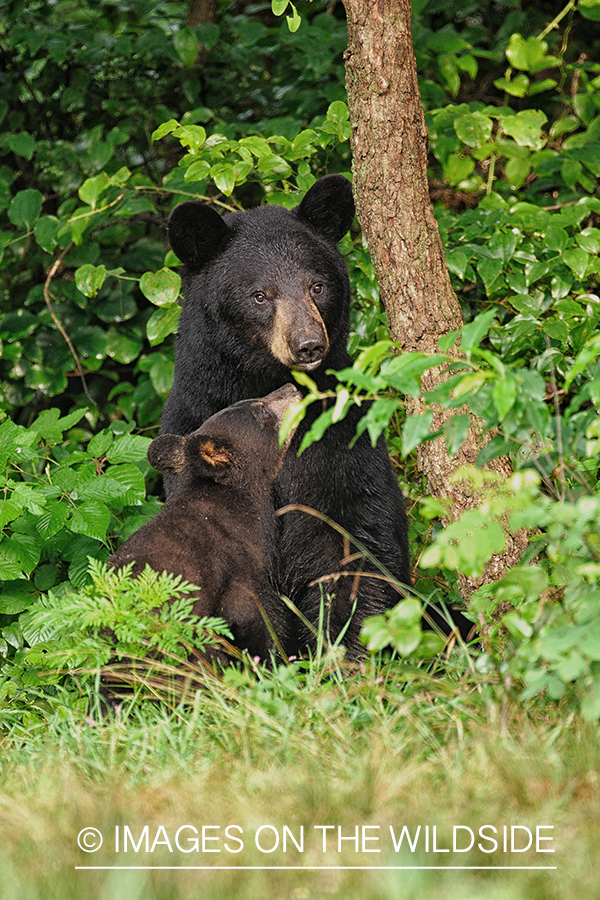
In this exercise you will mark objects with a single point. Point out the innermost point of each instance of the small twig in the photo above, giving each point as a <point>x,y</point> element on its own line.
<point>559,442</point>
<point>555,22</point>
<point>51,273</point>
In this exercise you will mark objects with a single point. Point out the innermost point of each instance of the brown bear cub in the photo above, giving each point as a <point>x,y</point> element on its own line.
<point>218,530</point>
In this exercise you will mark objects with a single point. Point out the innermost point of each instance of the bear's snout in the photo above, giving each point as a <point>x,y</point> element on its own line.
<point>299,337</point>
<point>310,353</point>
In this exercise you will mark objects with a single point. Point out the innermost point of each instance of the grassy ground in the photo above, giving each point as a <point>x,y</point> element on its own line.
<point>374,748</point>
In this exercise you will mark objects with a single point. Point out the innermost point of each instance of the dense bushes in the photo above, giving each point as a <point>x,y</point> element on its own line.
<point>113,113</point>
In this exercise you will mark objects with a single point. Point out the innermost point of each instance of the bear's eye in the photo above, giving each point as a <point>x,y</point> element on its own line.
<point>259,297</point>
<point>318,288</point>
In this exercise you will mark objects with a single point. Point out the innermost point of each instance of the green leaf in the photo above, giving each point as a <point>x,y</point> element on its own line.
<point>50,426</point>
<point>449,72</point>
<point>9,510</point>
<point>131,482</point>
<point>16,596</point>
<point>517,625</point>
<point>473,129</point>
<point>456,431</point>
<point>89,279</point>
<point>224,177</point>
<point>564,125</point>
<point>161,375</point>
<point>163,322</point>
<point>91,520</point>
<point>516,87</point>
<point>317,430</point>
<point>556,238</point>
<point>415,430</point>
<point>502,245</point>
<point>517,170</point>
<point>504,395</point>
<point>293,415</point>
<point>404,372</point>
<point>128,448</point>
<point>92,188</point>
<point>577,260</point>
<point>161,287</point>
<point>538,87</point>
<point>23,144</point>
<point>25,207</point>
<point>51,521</point>
<point>473,333</point>
<point>376,419</point>
<point>294,20</point>
<point>100,444</point>
<point>123,347</point>
<point>457,262</point>
<point>45,232</point>
<point>375,634</point>
<point>589,9</point>
<point>525,127</point>
<point>589,353</point>
<point>164,129</point>
<point>279,6</point>
<point>26,549</point>
<point>457,168</point>
<point>529,54</point>
<point>186,46</point>
<point>9,565</point>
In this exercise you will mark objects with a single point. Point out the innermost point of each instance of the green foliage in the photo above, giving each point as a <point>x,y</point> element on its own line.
<point>113,113</point>
<point>84,192</point>
<point>115,616</point>
<point>400,629</point>
<point>61,504</point>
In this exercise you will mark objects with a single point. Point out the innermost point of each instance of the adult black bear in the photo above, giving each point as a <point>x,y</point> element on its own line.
<point>267,291</point>
<point>218,530</point>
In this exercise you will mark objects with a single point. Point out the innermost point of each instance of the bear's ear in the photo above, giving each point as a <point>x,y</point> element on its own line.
<point>196,232</point>
<point>167,454</point>
<point>329,207</point>
<point>210,457</point>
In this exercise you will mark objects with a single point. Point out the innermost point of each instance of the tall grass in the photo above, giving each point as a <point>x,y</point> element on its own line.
<point>310,744</point>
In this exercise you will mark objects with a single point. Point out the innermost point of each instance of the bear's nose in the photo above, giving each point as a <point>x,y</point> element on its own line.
<point>310,350</point>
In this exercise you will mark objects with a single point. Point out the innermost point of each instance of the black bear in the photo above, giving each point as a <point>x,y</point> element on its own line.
<point>267,291</point>
<point>218,530</point>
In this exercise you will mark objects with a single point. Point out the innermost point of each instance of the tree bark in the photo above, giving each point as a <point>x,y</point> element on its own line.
<point>201,12</point>
<point>390,147</point>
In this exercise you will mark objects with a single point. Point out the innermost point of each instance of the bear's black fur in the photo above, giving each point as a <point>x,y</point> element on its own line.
<point>218,529</point>
<point>267,291</point>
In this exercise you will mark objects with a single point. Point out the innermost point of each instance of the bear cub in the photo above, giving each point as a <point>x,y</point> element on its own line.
<point>218,530</point>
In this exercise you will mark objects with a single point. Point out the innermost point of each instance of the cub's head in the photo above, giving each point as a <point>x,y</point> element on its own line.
<point>274,277</point>
<point>238,446</point>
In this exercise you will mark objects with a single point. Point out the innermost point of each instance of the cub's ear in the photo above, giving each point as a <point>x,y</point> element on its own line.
<point>196,232</point>
<point>210,457</point>
<point>329,207</point>
<point>167,454</point>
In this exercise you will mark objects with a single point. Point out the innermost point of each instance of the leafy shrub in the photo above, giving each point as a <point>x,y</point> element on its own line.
<point>61,504</point>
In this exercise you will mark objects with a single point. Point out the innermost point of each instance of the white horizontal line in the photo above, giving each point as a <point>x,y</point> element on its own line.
<point>313,868</point>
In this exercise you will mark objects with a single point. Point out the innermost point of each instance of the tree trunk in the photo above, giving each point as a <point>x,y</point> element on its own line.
<point>201,12</point>
<point>390,147</point>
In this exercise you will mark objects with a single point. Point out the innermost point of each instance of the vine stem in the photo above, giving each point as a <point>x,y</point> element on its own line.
<point>559,438</point>
<point>51,273</point>
<point>554,23</point>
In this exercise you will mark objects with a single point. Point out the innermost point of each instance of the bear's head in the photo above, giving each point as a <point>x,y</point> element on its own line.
<point>271,279</point>
<point>237,446</point>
